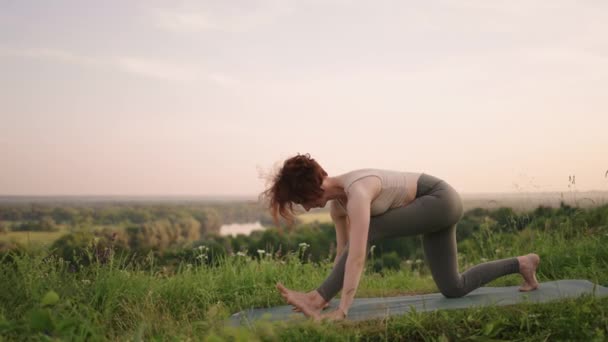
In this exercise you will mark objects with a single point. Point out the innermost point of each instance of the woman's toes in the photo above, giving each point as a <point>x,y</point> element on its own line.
<point>281,287</point>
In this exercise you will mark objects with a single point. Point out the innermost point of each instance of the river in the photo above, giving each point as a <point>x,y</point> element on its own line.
<point>240,228</point>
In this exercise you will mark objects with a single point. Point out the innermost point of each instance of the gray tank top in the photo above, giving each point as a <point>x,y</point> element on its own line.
<point>393,193</point>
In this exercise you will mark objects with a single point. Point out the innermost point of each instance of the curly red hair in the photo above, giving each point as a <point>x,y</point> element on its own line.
<point>297,181</point>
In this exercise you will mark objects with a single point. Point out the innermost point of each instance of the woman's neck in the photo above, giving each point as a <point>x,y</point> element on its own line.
<point>333,188</point>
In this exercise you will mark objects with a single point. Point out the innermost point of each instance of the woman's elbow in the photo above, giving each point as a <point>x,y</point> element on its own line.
<point>357,259</point>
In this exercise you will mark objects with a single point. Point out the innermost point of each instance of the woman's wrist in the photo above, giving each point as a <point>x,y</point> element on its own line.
<point>343,311</point>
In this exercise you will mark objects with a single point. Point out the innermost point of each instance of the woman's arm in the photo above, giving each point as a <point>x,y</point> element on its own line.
<point>341,223</point>
<point>358,207</point>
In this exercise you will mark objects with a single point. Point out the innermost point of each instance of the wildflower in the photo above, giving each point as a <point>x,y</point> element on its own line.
<point>304,245</point>
<point>408,261</point>
<point>261,251</point>
<point>484,259</point>
<point>418,261</point>
<point>241,254</point>
<point>86,281</point>
<point>497,250</point>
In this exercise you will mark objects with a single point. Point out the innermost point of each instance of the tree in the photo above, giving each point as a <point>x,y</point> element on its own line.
<point>47,224</point>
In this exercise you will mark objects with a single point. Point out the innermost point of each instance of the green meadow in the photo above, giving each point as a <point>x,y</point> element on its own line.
<point>44,297</point>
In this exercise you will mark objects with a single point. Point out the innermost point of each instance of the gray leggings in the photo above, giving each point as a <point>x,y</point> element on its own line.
<point>434,214</point>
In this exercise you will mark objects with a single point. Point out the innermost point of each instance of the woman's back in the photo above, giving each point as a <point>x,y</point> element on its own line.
<point>398,187</point>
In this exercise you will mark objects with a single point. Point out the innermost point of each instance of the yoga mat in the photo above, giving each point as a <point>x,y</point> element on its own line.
<point>370,308</point>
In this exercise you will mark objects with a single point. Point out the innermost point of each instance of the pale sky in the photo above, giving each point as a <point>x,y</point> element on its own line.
<point>196,97</point>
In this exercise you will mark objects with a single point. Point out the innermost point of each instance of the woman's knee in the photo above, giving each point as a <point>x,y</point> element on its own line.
<point>453,291</point>
<point>456,206</point>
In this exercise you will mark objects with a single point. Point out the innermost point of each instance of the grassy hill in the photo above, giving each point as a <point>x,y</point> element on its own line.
<point>45,299</point>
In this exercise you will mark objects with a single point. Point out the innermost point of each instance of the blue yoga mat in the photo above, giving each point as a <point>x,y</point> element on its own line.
<point>371,308</point>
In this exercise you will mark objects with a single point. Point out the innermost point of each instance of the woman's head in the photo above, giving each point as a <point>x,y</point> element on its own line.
<point>298,181</point>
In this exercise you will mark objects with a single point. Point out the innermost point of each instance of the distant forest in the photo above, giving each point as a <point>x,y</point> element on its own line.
<point>52,216</point>
<point>173,234</point>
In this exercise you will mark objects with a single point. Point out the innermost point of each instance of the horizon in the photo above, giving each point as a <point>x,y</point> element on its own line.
<point>206,98</point>
<point>5,197</point>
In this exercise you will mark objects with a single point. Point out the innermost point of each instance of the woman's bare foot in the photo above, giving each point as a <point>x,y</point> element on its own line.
<point>310,302</point>
<point>315,298</point>
<point>527,267</point>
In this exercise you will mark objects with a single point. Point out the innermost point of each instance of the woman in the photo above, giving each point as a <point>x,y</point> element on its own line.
<point>371,204</point>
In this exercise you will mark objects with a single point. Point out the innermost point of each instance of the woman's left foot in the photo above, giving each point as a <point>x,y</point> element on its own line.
<point>527,267</point>
<point>308,303</point>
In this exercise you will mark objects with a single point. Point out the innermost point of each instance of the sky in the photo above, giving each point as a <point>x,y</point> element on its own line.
<point>207,97</point>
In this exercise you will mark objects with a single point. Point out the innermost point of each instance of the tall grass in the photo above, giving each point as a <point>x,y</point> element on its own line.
<point>42,298</point>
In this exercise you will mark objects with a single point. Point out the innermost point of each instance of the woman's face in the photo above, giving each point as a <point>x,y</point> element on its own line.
<point>318,203</point>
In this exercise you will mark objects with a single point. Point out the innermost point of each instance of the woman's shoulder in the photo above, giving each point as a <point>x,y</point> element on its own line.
<point>351,177</point>
<point>359,173</point>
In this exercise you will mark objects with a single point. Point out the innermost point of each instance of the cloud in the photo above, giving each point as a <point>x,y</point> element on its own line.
<point>190,18</point>
<point>151,68</point>
<point>172,71</point>
<point>156,69</point>
<point>223,80</point>
<point>48,54</point>
<point>180,21</point>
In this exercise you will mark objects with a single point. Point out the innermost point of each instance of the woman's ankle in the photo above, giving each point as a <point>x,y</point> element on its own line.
<point>316,297</point>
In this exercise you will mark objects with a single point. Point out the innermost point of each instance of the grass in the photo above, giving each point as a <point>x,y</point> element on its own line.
<point>43,299</point>
<point>116,304</point>
<point>32,238</point>
<point>310,217</point>
<point>41,238</point>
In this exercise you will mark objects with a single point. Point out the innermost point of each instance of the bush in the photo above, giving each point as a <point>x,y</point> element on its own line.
<point>390,261</point>
<point>83,248</point>
<point>44,224</point>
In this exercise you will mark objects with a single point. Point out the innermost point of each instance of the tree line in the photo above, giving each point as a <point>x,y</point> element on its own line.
<point>174,236</point>
<point>52,217</point>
